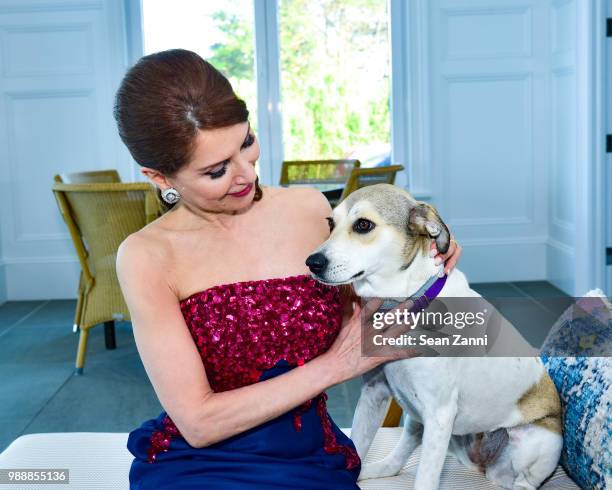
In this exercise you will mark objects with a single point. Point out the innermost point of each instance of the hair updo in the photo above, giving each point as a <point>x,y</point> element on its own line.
<point>162,102</point>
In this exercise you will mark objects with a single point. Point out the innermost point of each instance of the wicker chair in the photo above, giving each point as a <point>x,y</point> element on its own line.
<point>99,217</point>
<point>91,176</point>
<point>329,176</point>
<point>362,177</point>
<point>295,172</point>
<point>394,414</point>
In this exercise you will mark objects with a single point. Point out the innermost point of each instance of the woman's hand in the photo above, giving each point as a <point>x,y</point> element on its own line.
<point>451,256</point>
<point>346,357</point>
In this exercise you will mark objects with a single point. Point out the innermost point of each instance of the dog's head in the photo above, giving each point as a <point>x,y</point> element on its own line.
<point>378,229</point>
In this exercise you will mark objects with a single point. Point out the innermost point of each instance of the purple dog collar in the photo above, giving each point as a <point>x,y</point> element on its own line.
<point>431,288</point>
<point>422,302</point>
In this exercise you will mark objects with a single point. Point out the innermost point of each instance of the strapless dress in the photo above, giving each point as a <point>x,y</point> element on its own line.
<point>248,332</point>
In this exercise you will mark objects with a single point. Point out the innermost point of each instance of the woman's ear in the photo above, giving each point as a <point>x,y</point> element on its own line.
<point>155,177</point>
<point>424,220</point>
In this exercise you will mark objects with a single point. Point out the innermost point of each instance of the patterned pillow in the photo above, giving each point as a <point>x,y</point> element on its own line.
<point>585,388</point>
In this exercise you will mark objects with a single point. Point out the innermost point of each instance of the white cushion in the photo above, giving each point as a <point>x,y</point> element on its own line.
<point>454,476</point>
<point>96,460</point>
<point>101,461</point>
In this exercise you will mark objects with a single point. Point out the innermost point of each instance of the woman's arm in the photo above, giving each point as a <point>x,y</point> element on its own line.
<point>176,371</point>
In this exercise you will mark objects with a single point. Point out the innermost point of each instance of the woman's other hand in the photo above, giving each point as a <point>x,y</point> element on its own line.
<point>451,256</point>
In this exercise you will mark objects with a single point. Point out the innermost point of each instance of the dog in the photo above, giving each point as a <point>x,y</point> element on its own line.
<point>497,415</point>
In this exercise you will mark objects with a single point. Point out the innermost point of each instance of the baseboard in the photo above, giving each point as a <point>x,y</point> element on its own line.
<point>3,293</point>
<point>41,278</point>
<point>560,266</point>
<point>522,259</point>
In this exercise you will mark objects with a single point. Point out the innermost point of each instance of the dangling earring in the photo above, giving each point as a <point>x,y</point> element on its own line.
<point>170,195</point>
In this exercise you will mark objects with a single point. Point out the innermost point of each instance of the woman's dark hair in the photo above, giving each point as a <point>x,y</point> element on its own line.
<point>162,102</point>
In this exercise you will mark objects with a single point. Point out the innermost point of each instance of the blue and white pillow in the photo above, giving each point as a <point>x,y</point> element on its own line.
<point>585,388</point>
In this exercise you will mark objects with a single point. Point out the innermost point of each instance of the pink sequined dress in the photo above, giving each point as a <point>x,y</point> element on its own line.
<point>248,332</point>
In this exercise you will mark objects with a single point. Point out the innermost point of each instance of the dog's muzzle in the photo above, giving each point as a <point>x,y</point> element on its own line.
<point>317,263</point>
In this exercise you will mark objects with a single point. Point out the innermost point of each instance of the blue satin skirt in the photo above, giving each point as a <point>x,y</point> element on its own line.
<point>273,455</point>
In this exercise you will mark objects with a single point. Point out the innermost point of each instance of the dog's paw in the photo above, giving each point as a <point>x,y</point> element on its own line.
<point>376,470</point>
<point>369,471</point>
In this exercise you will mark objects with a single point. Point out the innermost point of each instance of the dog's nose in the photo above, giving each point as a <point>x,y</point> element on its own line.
<point>317,263</point>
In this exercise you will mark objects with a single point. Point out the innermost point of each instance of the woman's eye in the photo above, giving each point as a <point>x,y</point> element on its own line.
<point>215,174</point>
<point>249,141</point>
<point>363,226</point>
<point>330,222</point>
<point>218,173</point>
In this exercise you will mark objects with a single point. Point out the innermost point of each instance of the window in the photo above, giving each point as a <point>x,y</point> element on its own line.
<point>220,32</point>
<point>335,79</point>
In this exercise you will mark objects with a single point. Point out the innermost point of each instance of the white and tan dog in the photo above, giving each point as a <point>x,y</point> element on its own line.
<point>500,415</point>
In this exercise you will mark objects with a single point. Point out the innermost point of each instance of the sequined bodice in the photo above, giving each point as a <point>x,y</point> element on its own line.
<point>245,328</point>
<point>242,329</point>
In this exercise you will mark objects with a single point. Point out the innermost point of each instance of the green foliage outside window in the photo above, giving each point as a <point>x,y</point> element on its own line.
<point>334,72</point>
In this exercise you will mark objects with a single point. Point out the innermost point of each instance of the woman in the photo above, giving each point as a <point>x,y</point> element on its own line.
<point>223,308</point>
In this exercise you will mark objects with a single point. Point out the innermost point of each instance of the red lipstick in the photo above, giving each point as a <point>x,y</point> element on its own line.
<point>243,192</point>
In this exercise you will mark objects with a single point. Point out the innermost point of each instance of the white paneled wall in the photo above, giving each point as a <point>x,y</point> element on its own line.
<point>489,152</point>
<point>513,135</point>
<point>498,129</point>
<point>61,62</point>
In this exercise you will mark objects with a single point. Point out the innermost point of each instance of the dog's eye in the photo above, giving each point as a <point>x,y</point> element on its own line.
<point>363,226</point>
<point>330,222</point>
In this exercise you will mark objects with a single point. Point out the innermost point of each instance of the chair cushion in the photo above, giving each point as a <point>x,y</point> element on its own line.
<point>101,461</point>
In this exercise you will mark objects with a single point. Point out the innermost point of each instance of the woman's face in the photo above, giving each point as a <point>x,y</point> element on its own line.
<point>221,174</point>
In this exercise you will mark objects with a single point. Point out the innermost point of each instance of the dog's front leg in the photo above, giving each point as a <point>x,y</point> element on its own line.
<point>370,410</point>
<point>437,431</point>
<point>392,464</point>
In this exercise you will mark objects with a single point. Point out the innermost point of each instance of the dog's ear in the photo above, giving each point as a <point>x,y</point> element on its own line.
<point>424,220</point>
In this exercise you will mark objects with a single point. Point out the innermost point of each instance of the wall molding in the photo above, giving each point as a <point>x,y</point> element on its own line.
<point>562,247</point>
<point>39,278</point>
<point>49,259</point>
<point>27,8</point>
<point>524,10</point>
<point>32,28</point>
<point>524,240</point>
<point>19,236</point>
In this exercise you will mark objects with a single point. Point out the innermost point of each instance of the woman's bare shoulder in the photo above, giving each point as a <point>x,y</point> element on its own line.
<point>303,199</point>
<point>306,208</point>
<point>147,245</point>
